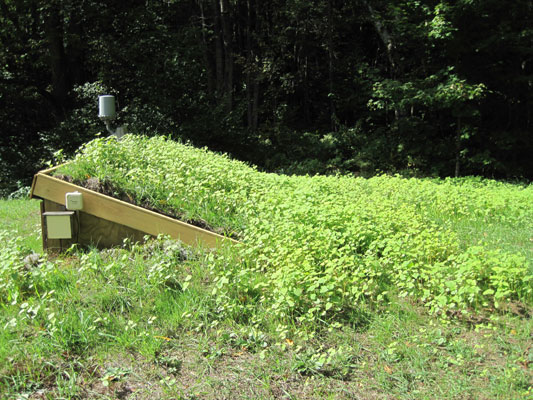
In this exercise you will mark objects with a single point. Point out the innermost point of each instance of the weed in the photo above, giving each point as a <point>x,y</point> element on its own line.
<point>315,246</point>
<point>383,287</point>
<point>75,338</point>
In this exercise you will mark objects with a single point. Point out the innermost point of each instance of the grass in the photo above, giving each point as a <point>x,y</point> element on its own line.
<point>325,243</point>
<point>386,288</point>
<point>22,217</point>
<point>508,237</point>
<point>487,226</point>
<point>141,323</point>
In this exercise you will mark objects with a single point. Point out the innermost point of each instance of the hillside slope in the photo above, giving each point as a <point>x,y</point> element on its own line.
<point>324,243</point>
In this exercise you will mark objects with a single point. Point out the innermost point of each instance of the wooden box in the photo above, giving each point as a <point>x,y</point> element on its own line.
<point>105,221</point>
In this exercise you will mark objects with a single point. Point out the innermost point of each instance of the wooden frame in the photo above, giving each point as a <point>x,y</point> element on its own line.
<point>101,209</point>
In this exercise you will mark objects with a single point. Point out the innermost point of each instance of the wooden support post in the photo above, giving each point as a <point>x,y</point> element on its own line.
<point>43,227</point>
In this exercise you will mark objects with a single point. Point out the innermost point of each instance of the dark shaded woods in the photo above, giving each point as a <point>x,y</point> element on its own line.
<point>438,88</point>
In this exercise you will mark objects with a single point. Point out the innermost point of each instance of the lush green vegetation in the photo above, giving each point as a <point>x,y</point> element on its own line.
<point>343,287</point>
<point>385,287</point>
<point>422,87</point>
<point>142,322</point>
<point>315,247</point>
<point>21,217</point>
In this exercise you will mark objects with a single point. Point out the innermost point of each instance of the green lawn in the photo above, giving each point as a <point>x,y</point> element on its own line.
<point>22,217</point>
<point>381,288</point>
<point>143,323</point>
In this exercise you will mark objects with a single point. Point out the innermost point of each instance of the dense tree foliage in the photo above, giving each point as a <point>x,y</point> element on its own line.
<point>420,87</point>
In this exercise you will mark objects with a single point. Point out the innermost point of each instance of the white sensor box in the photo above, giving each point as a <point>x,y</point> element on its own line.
<point>106,107</point>
<point>74,201</point>
<point>59,224</point>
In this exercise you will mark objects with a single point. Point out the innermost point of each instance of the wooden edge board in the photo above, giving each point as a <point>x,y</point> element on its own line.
<point>45,172</point>
<point>33,186</point>
<point>51,169</point>
<point>121,212</point>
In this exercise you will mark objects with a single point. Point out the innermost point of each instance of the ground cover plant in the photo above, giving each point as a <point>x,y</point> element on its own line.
<point>148,321</point>
<point>316,246</point>
<point>21,216</point>
<point>140,322</point>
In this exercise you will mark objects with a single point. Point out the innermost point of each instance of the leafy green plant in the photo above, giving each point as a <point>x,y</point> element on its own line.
<point>166,320</point>
<point>316,246</point>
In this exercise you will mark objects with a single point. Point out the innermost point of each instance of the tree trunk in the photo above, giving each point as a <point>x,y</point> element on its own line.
<point>206,53</point>
<point>331,95</point>
<point>227,34</point>
<point>249,63</point>
<point>76,50</point>
<point>303,63</point>
<point>383,34</point>
<point>458,148</point>
<point>249,99</point>
<point>219,52</point>
<point>252,78</point>
<point>255,110</point>
<point>57,59</point>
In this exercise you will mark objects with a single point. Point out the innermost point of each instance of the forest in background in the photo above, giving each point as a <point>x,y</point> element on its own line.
<point>417,87</point>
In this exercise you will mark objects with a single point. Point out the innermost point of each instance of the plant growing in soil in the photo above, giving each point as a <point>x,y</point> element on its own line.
<point>315,247</point>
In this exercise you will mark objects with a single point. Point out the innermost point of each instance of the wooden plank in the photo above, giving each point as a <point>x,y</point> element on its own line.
<point>118,211</point>
<point>102,233</point>
<point>52,169</point>
<point>44,172</point>
<point>43,236</point>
